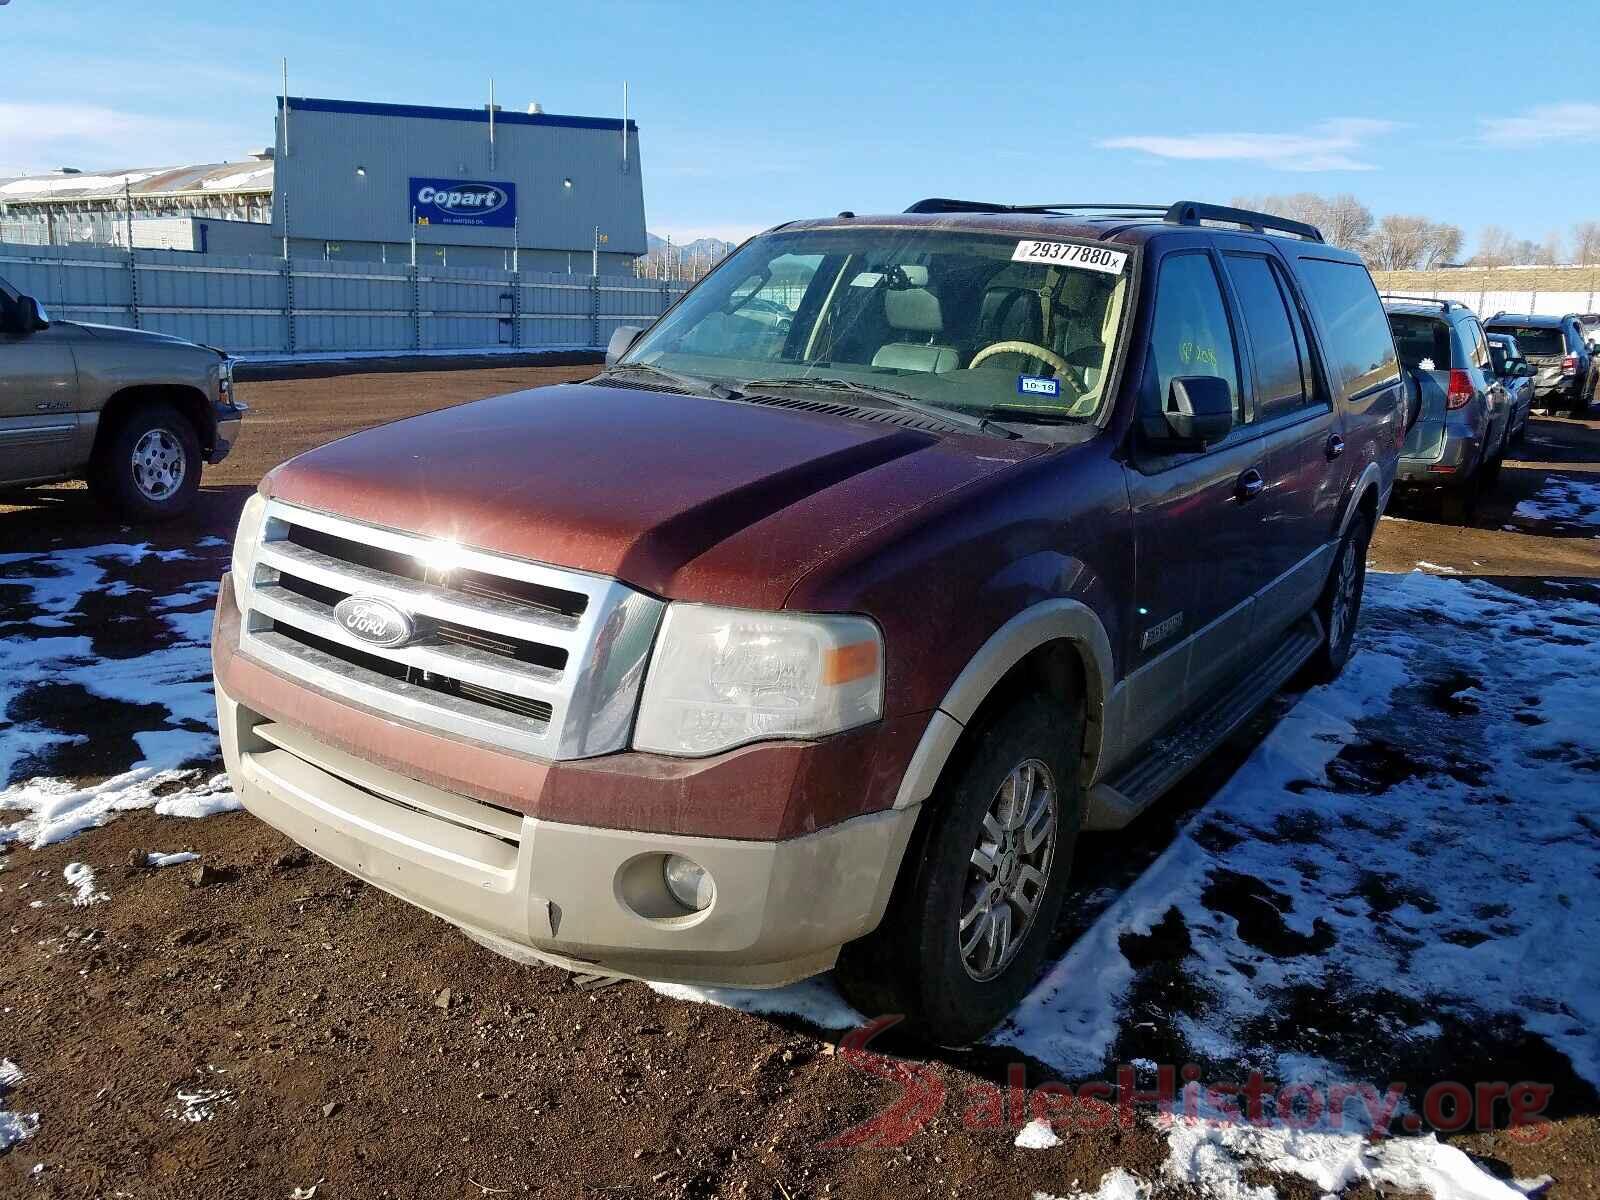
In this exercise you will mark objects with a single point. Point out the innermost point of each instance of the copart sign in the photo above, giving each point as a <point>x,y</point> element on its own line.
<point>464,202</point>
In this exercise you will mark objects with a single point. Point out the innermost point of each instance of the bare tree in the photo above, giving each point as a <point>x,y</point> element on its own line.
<point>1399,243</point>
<point>1343,220</point>
<point>1586,242</point>
<point>1442,247</point>
<point>1496,247</point>
<point>1549,252</point>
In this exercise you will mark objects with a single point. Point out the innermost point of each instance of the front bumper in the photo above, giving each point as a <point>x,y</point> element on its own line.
<point>230,418</point>
<point>583,896</point>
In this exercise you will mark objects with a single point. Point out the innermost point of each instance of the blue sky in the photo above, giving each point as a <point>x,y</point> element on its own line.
<point>755,113</point>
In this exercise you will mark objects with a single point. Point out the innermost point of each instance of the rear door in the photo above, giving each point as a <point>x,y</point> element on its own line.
<point>1196,515</point>
<point>38,396</point>
<point>1305,448</point>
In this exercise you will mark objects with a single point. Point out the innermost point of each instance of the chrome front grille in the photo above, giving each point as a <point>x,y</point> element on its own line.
<point>508,652</point>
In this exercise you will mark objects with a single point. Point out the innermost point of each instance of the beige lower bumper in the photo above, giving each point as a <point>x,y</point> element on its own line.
<point>578,896</point>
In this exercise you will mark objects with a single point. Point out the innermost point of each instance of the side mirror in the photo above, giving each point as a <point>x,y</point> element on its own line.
<point>1198,412</point>
<point>622,338</point>
<point>28,317</point>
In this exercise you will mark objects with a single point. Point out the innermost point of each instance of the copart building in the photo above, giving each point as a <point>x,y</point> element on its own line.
<point>474,187</point>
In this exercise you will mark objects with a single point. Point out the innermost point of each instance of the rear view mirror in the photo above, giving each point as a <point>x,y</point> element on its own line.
<point>1199,411</point>
<point>622,339</point>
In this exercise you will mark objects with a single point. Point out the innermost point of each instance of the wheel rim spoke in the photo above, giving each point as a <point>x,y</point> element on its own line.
<point>1008,870</point>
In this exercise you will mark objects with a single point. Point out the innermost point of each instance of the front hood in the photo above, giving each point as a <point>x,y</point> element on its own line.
<point>683,496</point>
<point>145,337</point>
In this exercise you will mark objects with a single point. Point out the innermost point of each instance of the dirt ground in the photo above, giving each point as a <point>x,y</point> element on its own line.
<point>339,1039</point>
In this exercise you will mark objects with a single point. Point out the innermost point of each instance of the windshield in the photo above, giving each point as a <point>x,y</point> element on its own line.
<point>972,323</point>
<point>1534,341</point>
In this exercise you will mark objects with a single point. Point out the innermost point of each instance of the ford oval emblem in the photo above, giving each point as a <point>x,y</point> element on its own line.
<point>373,620</point>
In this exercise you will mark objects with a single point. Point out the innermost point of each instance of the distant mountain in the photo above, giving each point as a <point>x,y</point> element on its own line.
<point>706,247</point>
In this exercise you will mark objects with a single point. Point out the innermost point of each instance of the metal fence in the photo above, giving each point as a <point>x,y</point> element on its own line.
<point>312,307</point>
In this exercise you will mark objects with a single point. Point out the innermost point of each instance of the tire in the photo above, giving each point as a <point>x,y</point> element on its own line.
<point>1489,473</point>
<point>1459,504</point>
<point>149,467</point>
<point>952,986</point>
<point>1340,605</point>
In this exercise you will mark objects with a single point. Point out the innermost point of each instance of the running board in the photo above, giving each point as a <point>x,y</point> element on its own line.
<point>1174,754</point>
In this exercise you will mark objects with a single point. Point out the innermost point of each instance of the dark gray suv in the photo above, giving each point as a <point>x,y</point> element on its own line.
<point>1460,437</point>
<point>1557,348</point>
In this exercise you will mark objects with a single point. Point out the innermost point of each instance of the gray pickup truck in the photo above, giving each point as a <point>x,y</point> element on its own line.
<point>133,412</point>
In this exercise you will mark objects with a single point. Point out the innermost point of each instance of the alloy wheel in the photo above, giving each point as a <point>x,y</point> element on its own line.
<point>159,465</point>
<point>1009,870</point>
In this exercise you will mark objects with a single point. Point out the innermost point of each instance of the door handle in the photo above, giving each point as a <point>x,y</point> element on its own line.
<point>1335,447</point>
<point>1250,485</point>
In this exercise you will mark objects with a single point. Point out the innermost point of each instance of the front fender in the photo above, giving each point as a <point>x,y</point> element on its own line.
<point>1049,621</point>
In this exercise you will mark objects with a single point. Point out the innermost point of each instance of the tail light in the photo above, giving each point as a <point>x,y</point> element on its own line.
<point>1569,365</point>
<point>1459,394</point>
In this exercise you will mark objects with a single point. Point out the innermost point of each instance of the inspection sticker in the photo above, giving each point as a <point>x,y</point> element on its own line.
<point>1071,254</point>
<point>1038,385</point>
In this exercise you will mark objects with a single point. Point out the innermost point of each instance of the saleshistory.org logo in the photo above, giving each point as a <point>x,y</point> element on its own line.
<point>1448,1106</point>
<point>373,620</point>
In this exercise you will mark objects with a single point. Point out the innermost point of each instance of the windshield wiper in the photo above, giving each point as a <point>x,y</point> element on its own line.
<point>689,383</point>
<point>891,396</point>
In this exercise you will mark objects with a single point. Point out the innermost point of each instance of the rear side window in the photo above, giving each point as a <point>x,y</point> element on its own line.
<point>1359,349</point>
<point>1472,335</point>
<point>1534,341</point>
<point>1191,333</point>
<point>1421,340</point>
<point>1277,341</point>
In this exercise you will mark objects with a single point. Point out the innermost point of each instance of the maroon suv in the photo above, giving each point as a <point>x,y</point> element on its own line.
<point>814,630</point>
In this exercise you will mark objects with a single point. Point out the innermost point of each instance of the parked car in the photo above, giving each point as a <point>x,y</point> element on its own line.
<point>1460,438</point>
<point>1515,374</point>
<point>1557,347</point>
<point>728,669</point>
<point>133,412</point>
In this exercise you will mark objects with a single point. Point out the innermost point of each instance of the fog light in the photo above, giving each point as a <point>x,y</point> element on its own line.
<point>689,882</point>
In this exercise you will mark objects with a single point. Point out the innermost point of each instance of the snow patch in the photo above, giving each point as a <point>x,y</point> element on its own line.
<point>1212,1157</point>
<point>1115,1184</point>
<point>1564,500</point>
<point>81,878</point>
<point>201,1104</point>
<point>1037,1134</point>
<point>14,1127</point>
<point>176,859</point>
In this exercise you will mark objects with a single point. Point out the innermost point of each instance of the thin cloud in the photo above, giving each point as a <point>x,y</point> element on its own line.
<point>1576,121</point>
<point>1327,146</point>
<point>35,138</point>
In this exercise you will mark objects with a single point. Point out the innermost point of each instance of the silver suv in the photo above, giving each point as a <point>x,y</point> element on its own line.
<point>1460,438</point>
<point>135,413</point>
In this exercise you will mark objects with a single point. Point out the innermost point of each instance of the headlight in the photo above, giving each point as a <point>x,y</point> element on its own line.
<point>722,677</point>
<point>244,547</point>
<point>225,381</point>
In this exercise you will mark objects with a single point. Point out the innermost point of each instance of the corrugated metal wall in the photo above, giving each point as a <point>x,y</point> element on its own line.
<point>303,306</point>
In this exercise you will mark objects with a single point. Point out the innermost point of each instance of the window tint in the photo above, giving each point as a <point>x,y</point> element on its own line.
<point>1535,341</point>
<point>1191,334</point>
<point>1359,347</point>
<point>1421,340</point>
<point>1277,344</point>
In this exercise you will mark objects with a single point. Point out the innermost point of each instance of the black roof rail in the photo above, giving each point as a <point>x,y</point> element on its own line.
<point>1184,212</point>
<point>1405,299</point>
<point>1194,212</point>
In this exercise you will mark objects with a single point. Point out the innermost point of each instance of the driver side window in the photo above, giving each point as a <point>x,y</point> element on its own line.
<point>1191,334</point>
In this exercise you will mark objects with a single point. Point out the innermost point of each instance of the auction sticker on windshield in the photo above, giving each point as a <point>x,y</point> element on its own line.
<point>1071,254</point>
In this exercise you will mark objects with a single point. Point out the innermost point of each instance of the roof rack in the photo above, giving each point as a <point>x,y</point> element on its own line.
<point>1444,304</point>
<point>1184,212</point>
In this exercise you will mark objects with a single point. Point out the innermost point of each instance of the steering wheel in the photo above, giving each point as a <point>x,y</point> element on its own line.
<point>1063,368</point>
